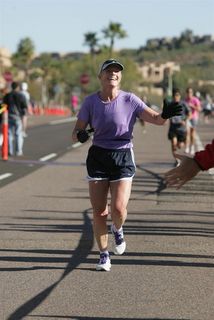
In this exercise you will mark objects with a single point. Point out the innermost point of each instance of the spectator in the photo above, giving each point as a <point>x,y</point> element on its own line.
<point>17,106</point>
<point>26,94</point>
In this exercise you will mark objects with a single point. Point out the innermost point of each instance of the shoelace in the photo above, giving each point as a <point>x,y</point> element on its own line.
<point>118,238</point>
<point>103,258</point>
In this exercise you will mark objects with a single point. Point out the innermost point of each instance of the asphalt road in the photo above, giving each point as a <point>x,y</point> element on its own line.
<point>45,142</point>
<point>48,254</point>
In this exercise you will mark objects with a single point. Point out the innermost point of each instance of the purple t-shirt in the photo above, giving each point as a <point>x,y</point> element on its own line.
<point>112,121</point>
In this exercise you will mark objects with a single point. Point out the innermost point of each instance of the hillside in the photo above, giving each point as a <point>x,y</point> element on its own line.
<point>196,62</point>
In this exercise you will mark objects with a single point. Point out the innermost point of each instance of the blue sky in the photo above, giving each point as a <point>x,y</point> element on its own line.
<point>60,25</point>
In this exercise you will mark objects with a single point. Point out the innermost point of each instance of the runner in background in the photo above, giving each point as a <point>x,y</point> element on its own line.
<point>74,104</point>
<point>207,106</point>
<point>178,126</point>
<point>195,106</point>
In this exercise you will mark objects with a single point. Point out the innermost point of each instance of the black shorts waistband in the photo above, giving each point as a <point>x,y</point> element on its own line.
<point>94,147</point>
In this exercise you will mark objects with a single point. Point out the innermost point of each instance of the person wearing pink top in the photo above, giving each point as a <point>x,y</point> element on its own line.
<point>195,107</point>
<point>74,104</point>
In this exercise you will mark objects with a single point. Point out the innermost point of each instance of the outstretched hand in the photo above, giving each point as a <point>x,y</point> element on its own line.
<point>178,176</point>
<point>171,109</point>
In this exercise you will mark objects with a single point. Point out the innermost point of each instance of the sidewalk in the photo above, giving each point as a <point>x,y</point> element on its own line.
<point>48,253</point>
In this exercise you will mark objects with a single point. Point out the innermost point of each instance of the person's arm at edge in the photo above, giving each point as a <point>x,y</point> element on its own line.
<point>190,167</point>
<point>205,158</point>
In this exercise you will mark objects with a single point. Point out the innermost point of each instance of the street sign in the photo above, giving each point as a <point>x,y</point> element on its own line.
<point>84,78</point>
<point>8,76</point>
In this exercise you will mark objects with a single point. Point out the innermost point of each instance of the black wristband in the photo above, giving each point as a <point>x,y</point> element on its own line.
<point>82,136</point>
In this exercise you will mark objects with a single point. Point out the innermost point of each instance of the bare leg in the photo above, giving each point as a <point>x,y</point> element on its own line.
<point>192,136</point>
<point>24,124</point>
<point>98,191</point>
<point>120,194</point>
<point>174,143</point>
<point>187,142</point>
<point>180,144</point>
<point>192,141</point>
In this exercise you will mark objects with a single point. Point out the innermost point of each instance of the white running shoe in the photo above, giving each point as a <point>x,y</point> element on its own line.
<point>104,263</point>
<point>192,150</point>
<point>187,150</point>
<point>24,134</point>
<point>119,242</point>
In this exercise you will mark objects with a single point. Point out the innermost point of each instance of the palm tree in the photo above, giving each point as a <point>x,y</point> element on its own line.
<point>113,31</point>
<point>91,40</point>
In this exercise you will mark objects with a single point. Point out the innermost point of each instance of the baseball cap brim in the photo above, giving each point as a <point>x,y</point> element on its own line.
<point>109,63</point>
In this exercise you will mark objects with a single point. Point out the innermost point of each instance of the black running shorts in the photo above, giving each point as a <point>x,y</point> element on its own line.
<point>108,164</point>
<point>177,131</point>
<point>180,135</point>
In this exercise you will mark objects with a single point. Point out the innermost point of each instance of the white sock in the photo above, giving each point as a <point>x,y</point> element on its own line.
<point>118,230</point>
<point>106,252</point>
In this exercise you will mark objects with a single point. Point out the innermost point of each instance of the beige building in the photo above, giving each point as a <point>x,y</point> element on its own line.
<point>5,62</point>
<point>154,73</point>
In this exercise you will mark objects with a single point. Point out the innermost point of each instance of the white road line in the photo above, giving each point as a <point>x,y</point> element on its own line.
<point>48,157</point>
<point>54,122</point>
<point>76,145</point>
<point>5,176</point>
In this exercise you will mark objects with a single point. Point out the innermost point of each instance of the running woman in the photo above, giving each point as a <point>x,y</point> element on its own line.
<point>112,113</point>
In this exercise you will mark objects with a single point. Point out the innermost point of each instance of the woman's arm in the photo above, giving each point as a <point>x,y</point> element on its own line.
<point>80,125</point>
<point>170,109</point>
<point>151,116</point>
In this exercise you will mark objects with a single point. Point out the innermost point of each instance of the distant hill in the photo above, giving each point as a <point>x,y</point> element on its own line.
<point>194,54</point>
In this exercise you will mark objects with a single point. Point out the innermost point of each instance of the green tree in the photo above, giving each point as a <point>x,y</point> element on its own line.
<point>48,73</point>
<point>112,32</point>
<point>24,55</point>
<point>187,35</point>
